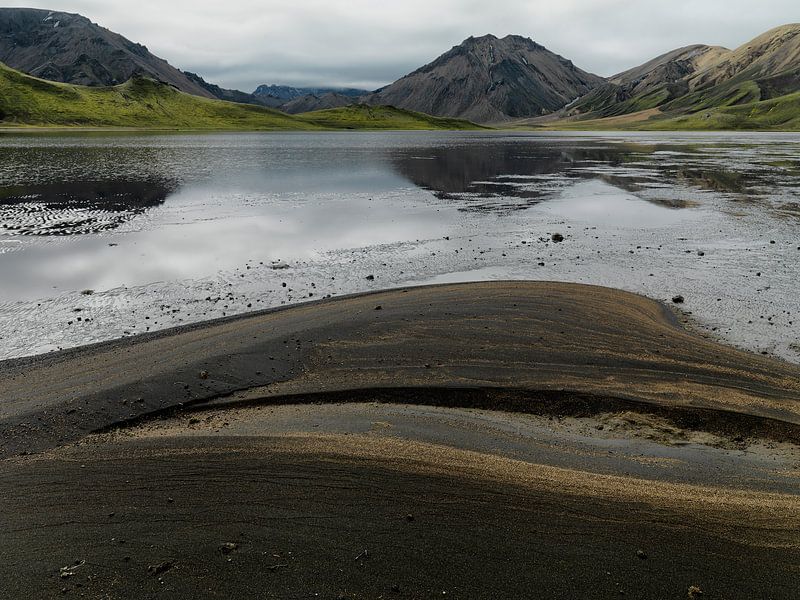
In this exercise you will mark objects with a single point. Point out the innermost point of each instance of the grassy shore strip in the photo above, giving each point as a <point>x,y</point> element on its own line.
<point>141,103</point>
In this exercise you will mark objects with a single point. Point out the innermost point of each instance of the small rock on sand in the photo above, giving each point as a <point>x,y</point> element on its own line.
<point>160,568</point>
<point>678,299</point>
<point>228,547</point>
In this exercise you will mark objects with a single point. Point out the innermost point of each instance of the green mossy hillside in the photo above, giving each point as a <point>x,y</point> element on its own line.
<point>778,114</point>
<point>147,104</point>
<point>782,114</point>
<point>362,116</point>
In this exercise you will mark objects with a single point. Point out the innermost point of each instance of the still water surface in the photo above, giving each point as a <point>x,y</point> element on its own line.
<point>105,235</point>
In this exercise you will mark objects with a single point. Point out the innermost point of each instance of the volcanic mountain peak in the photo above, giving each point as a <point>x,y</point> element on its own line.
<point>489,50</point>
<point>490,79</point>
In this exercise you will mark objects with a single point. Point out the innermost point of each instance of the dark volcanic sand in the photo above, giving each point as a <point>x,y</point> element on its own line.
<point>652,461</point>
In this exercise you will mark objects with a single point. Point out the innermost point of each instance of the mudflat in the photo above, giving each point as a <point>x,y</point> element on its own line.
<point>499,440</point>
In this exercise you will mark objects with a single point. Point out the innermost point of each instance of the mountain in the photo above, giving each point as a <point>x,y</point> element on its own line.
<point>776,52</point>
<point>710,80</point>
<point>146,103</point>
<point>766,68</point>
<point>286,93</point>
<point>312,102</point>
<point>671,65</point>
<point>70,48</point>
<point>488,79</point>
<point>649,85</point>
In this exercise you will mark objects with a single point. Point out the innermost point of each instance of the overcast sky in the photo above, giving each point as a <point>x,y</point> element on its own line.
<point>360,43</point>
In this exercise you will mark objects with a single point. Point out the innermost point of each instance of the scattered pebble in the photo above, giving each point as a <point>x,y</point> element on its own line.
<point>228,547</point>
<point>160,568</point>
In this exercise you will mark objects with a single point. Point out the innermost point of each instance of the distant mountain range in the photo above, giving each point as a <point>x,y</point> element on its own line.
<point>484,79</point>
<point>312,102</point>
<point>286,93</point>
<point>296,100</point>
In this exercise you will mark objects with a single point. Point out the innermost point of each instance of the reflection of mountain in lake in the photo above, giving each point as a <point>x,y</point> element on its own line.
<point>76,208</point>
<point>511,171</point>
<point>716,180</point>
<point>515,175</point>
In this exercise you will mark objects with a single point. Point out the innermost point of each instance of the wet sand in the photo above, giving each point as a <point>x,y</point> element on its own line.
<point>496,440</point>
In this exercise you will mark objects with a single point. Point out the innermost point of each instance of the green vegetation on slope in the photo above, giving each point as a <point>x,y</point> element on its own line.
<point>728,94</point>
<point>145,103</point>
<point>782,113</point>
<point>362,116</point>
<point>140,102</point>
<point>778,114</point>
<point>611,100</point>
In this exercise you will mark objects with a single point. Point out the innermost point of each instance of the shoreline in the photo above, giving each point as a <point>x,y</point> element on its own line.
<point>488,128</point>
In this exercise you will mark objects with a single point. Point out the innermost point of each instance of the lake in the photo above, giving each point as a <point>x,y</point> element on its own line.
<point>111,235</point>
